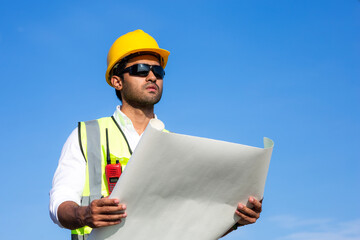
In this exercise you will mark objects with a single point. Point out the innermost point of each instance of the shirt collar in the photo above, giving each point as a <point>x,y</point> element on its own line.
<point>122,119</point>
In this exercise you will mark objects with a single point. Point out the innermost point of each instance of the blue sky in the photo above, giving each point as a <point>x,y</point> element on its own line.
<point>238,71</point>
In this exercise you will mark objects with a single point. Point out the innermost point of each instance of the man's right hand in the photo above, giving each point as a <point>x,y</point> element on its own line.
<point>104,212</point>
<point>100,213</point>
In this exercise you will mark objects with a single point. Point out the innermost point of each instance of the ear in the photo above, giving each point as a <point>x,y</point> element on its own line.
<point>116,82</point>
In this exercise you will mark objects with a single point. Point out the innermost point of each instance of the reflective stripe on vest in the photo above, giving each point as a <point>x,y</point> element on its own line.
<point>93,145</point>
<point>93,157</point>
<point>79,237</point>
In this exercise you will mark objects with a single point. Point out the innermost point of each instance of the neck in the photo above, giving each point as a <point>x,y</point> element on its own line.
<point>140,117</point>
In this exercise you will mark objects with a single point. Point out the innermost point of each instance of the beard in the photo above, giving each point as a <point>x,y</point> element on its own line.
<point>138,99</point>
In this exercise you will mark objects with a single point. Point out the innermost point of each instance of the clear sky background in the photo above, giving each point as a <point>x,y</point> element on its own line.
<point>238,71</point>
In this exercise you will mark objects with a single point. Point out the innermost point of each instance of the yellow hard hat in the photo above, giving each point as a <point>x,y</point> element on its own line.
<point>132,42</point>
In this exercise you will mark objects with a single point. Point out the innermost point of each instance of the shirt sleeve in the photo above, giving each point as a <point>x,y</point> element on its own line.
<point>69,178</point>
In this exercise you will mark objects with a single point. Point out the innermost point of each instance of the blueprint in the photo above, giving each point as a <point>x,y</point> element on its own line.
<point>182,187</point>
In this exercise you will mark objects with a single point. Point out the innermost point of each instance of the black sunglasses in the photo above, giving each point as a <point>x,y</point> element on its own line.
<point>142,70</point>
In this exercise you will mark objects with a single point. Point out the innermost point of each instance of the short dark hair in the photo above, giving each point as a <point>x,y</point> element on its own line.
<point>119,67</point>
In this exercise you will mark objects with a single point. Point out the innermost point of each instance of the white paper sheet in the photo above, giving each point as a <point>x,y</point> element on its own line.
<point>183,187</point>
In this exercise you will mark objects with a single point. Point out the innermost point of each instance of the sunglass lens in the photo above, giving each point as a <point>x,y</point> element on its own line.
<point>158,71</point>
<point>142,70</point>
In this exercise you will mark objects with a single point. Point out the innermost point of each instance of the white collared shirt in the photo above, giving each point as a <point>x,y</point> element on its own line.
<point>69,178</point>
<point>127,127</point>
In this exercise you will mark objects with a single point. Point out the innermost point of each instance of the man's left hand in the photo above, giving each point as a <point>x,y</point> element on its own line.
<point>249,215</point>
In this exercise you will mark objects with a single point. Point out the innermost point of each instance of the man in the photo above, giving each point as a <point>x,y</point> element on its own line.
<point>78,198</point>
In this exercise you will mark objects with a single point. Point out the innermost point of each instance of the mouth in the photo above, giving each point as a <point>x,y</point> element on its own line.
<point>152,88</point>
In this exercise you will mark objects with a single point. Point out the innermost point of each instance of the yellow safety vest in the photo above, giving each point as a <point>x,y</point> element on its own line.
<point>92,139</point>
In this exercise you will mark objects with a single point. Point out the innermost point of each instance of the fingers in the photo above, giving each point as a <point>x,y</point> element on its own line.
<point>105,212</point>
<point>109,209</point>
<point>107,219</point>
<point>104,220</point>
<point>106,206</point>
<point>248,212</point>
<point>106,202</point>
<point>257,204</point>
<point>249,215</point>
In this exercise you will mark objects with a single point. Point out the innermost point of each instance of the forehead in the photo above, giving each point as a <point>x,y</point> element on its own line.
<point>149,59</point>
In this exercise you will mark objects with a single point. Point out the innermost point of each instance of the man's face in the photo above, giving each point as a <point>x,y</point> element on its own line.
<point>141,91</point>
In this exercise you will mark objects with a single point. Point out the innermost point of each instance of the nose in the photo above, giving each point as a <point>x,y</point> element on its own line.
<point>151,76</point>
